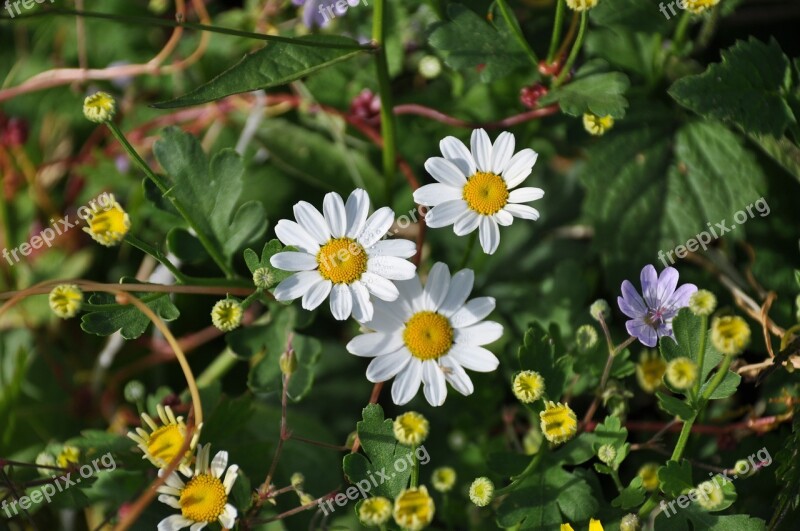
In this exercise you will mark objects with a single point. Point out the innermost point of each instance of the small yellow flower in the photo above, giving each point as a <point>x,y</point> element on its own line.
<point>730,334</point>
<point>108,226</point>
<point>414,509</point>
<point>596,125</point>
<point>595,525</point>
<point>709,495</point>
<point>162,444</point>
<point>66,300</point>
<point>227,314</point>
<point>559,423</point>
<point>702,302</point>
<point>443,479</point>
<point>682,373</point>
<point>649,474</point>
<point>305,498</point>
<point>481,491</point>
<point>581,5</point>
<point>411,428</point>
<point>567,527</point>
<point>528,386</point>
<point>263,278</point>
<point>99,107</point>
<point>375,511</point>
<point>69,456</point>
<point>650,370</point>
<point>698,6</point>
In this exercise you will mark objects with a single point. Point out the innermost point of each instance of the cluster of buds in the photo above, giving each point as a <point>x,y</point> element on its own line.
<point>367,107</point>
<point>530,95</point>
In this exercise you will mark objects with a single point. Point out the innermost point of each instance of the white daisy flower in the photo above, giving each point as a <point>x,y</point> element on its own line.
<point>430,336</point>
<point>476,190</point>
<point>202,499</point>
<point>341,253</point>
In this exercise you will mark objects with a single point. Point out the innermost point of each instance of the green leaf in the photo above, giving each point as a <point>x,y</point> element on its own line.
<point>627,50</point>
<point>543,353</point>
<point>680,519</point>
<point>631,496</point>
<point>107,316</point>
<point>748,88</point>
<point>600,93</point>
<point>675,478</point>
<point>631,15</point>
<point>493,49</point>
<point>270,249</point>
<point>611,431</point>
<point>727,386</point>
<point>382,455</point>
<point>274,65</point>
<point>674,406</point>
<point>94,443</point>
<point>211,192</point>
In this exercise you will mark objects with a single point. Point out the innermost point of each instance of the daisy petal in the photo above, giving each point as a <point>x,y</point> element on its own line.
<point>445,172</point>
<point>399,247</point>
<point>294,261</point>
<point>375,344</point>
<point>198,526</point>
<point>489,235</point>
<point>219,464</point>
<point>519,167</point>
<point>482,333</point>
<point>466,223</point>
<point>481,150</point>
<point>456,152</point>
<point>335,215</point>
<point>435,387</point>
<point>376,226</point>
<point>391,267</point>
<point>362,306</point>
<point>502,150</point>
<point>474,358</point>
<point>356,209</point>
<point>230,478</point>
<point>436,287</point>
<point>380,287</point>
<point>433,194</point>
<point>524,195</point>
<point>503,218</point>
<point>341,302</point>
<point>174,523</point>
<point>472,312</point>
<point>386,367</point>
<point>407,382</point>
<point>446,213</point>
<point>228,516</point>
<point>456,375</point>
<point>387,318</point>
<point>170,500</point>
<point>522,211</point>
<point>296,285</point>
<point>410,296</point>
<point>460,288</point>
<point>317,294</point>
<point>310,219</point>
<point>291,233</point>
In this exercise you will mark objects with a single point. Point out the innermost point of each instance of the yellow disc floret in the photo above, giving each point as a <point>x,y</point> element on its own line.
<point>342,260</point>
<point>730,334</point>
<point>650,370</point>
<point>581,5</point>
<point>411,428</point>
<point>109,226</point>
<point>165,442</point>
<point>559,423</point>
<point>66,300</point>
<point>428,335</point>
<point>702,302</point>
<point>528,386</point>
<point>682,373</point>
<point>414,509</point>
<point>227,314</point>
<point>699,6</point>
<point>375,511</point>
<point>486,193</point>
<point>203,498</point>
<point>597,125</point>
<point>99,107</point>
<point>481,491</point>
<point>649,474</point>
<point>443,479</point>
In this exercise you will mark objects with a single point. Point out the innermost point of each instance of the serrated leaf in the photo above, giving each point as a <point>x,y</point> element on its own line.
<point>726,387</point>
<point>681,518</point>
<point>748,88</point>
<point>540,352</point>
<point>631,496</point>
<point>254,261</point>
<point>599,93</point>
<point>274,65</point>
<point>108,316</point>
<point>675,478</point>
<point>631,15</point>
<point>674,406</point>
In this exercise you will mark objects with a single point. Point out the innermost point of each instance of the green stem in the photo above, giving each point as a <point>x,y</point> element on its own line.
<point>468,251</point>
<point>558,26</point>
<point>415,469</point>
<point>162,186</point>
<point>701,355</point>
<point>573,54</point>
<point>513,25</point>
<point>530,469</point>
<point>617,482</point>
<point>680,31</point>
<point>718,377</point>
<point>218,368</point>
<point>155,253</point>
<point>388,126</point>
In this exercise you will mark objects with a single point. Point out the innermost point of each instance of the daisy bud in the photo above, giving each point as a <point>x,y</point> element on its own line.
<point>597,125</point>
<point>598,308</point>
<point>46,459</point>
<point>630,522</point>
<point>709,495</point>
<point>649,474</point>
<point>430,67</point>
<point>134,391</point>
<point>375,511</point>
<point>443,479</point>
<point>730,334</point>
<point>66,300</point>
<point>586,338</point>
<point>481,491</point>
<point>288,362</point>
<point>650,370</point>
<point>263,278</point>
<point>699,6</point>
<point>559,423</point>
<point>681,373</point>
<point>227,314</point>
<point>411,428</point>
<point>702,302</point>
<point>305,498</point>
<point>69,455</point>
<point>528,386</point>
<point>297,480</point>
<point>607,453</point>
<point>108,226</point>
<point>581,5</point>
<point>414,509</point>
<point>100,107</point>
<point>743,468</point>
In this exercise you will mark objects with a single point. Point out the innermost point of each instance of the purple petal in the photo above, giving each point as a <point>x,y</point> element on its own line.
<point>642,331</point>
<point>649,279</point>
<point>667,281</point>
<point>680,299</point>
<point>633,300</point>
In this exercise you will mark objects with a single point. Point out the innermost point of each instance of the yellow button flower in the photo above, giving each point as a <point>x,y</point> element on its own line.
<point>650,370</point>
<point>528,386</point>
<point>559,423</point>
<point>702,302</point>
<point>99,107</point>
<point>594,125</point>
<point>227,314</point>
<point>682,373</point>
<point>481,491</point>
<point>411,428</point>
<point>66,300</point>
<point>414,509</point>
<point>375,511</point>
<point>108,226</point>
<point>649,474</point>
<point>699,6</point>
<point>443,479</point>
<point>69,455</point>
<point>730,334</point>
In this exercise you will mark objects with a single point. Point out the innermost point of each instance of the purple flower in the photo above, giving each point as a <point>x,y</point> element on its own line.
<point>651,314</point>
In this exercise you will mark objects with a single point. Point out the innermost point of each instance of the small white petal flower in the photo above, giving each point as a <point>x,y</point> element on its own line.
<point>203,498</point>
<point>429,336</point>
<point>476,190</point>
<point>341,256</point>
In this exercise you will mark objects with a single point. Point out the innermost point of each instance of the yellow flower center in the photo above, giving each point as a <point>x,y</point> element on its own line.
<point>486,193</point>
<point>428,335</point>
<point>165,442</point>
<point>203,499</point>
<point>559,423</point>
<point>109,223</point>
<point>413,508</point>
<point>411,428</point>
<point>342,260</point>
<point>649,372</point>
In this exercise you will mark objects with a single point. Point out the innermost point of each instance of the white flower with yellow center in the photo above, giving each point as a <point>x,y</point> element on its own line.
<point>430,336</point>
<point>475,190</point>
<point>164,441</point>
<point>203,498</point>
<point>341,254</point>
